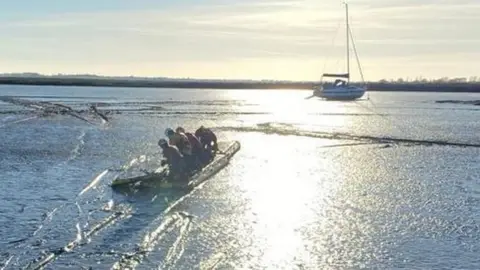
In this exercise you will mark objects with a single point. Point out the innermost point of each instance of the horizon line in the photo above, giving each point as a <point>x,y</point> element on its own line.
<point>407,79</point>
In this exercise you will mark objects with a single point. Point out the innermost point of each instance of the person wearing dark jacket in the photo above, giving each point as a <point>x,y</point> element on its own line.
<point>173,158</point>
<point>198,153</point>
<point>207,138</point>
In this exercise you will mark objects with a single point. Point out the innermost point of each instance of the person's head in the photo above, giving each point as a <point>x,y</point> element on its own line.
<point>180,130</point>
<point>162,143</point>
<point>169,132</point>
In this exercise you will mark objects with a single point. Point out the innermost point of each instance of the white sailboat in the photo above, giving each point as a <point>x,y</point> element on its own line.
<point>341,89</point>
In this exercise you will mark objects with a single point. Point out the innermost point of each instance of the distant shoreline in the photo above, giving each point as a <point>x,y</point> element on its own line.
<point>457,87</point>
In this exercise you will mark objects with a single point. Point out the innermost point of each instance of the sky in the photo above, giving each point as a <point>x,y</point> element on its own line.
<point>249,39</point>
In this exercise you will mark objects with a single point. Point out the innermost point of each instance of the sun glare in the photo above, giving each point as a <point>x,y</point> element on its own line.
<point>283,195</point>
<point>290,109</point>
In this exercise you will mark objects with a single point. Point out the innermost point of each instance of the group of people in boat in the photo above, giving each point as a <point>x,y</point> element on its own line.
<point>185,152</point>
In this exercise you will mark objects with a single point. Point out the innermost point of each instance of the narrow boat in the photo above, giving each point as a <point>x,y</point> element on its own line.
<point>160,178</point>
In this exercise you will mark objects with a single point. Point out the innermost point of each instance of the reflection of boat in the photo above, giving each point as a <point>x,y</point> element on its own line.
<point>159,178</point>
<point>341,89</point>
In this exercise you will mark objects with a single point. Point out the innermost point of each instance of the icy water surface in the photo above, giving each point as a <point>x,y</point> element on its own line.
<point>386,183</point>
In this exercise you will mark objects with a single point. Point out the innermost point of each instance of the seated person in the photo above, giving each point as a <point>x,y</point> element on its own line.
<point>197,150</point>
<point>179,140</point>
<point>208,139</point>
<point>173,158</point>
<point>183,144</point>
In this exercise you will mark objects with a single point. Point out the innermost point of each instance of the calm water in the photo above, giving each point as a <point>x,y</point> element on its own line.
<point>316,185</point>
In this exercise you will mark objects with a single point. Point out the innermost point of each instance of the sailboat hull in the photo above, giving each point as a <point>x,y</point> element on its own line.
<point>343,93</point>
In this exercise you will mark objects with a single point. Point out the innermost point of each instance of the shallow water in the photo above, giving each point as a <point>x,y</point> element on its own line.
<point>389,182</point>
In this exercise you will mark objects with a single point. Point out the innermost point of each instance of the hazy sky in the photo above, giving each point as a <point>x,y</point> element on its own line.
<point>249,39</point>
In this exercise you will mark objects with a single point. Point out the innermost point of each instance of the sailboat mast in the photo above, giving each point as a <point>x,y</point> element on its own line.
<point>348,41</point>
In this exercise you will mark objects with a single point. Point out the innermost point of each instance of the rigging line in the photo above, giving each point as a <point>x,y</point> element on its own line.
<point>356,54</point>
<point>376,113</point>
<point>374,110</point>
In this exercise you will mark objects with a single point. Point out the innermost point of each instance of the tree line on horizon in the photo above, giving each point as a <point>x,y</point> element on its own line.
<point>471,79</point>
<point>417,80</point>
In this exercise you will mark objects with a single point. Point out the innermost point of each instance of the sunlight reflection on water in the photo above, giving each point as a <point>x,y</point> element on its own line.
<point>282,200</point>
